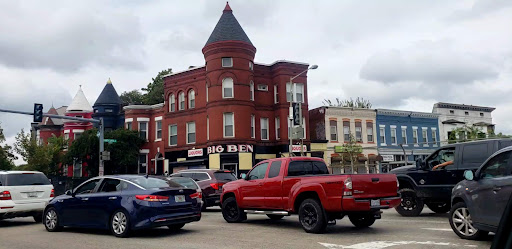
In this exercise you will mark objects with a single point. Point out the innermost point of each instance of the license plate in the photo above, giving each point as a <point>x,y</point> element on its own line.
<point>179,198</point>
<point>32,194</point>
<point>374,203</point>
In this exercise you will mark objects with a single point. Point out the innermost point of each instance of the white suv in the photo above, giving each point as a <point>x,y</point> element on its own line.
<point>24,193</point>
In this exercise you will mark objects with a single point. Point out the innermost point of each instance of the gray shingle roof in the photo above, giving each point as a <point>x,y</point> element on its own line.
<point>228,29</point>
<point>108,96</point>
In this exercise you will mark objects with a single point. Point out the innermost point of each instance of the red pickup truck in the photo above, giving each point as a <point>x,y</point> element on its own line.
<point>284,186</point>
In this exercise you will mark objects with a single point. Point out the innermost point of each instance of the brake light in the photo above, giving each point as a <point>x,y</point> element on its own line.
<point>216,186</point>
<point>52,194</point>
<point>152,198</point>
<point>348,187</point>
<point>5,195</point>
<point>196,195</point>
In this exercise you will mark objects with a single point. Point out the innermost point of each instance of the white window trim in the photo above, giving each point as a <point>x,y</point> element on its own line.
<point>251,90</point>
<point>382,143</point>
<point>304,127</point>
<point>142,119</point>
<point>206,92</point>
<point>224,125</point>
<point>144,151</point>
<point>404,128</point>
<point>147,126</point>
<point>264,88</point>
<point>170,135</point>
<point>277,125</point>
<point>66,131</point>
<point>190,99</point>
<point>207,128</point>
<point>158,118</point>
<point>391,134</point>
<point>172,98</point>
<point>276,95</point>
<point>222,61</point>
<point>392,126</point>
<point>78,130</point>
<point>194,132</point>
<point>253,126</point>
<point>179,101</point>
<point>425,139</point>
<point>126,125</point>
<point>128,120</point>
<point>415,129</point>
<point>434,133</point>
<point>156,129</point>
<point>232,91</point>
<point>261,129</point>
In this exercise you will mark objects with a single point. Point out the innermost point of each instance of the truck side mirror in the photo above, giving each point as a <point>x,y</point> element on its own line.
<point>469,175</point>
<point>419,164</point>
<point>243,176</point>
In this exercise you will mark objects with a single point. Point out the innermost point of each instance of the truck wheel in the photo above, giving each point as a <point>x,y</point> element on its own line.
<point>410,205</point>
<point>275,216</point>
<point>311,216</point>
<point>231,212</point>
<point>362,220</point>
<point>439,208</point>
<point>462,224</point>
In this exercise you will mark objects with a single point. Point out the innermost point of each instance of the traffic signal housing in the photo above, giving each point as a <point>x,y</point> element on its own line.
<point>38,113</point>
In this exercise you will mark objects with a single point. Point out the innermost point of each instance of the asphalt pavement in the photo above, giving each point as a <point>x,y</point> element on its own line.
<point>430,230</point>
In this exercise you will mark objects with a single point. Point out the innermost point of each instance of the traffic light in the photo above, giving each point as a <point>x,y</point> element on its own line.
<point>38,113</point>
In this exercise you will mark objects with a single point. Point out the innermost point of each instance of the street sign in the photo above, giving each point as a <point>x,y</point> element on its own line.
<point>297,114</point>
<point>105,155</point>
<point>388,158</point>
<point>38,113</point>
<point>110,141</point>
<point>297,132</point>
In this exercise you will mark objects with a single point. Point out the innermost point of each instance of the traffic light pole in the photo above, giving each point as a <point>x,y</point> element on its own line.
<point>102,148</point>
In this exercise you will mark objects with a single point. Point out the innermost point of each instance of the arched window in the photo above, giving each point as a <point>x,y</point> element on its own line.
<point>172,103</point>
<point>181,99</point>
<point>227,88</point>
<point>251,90</point>
<point>191,99</point>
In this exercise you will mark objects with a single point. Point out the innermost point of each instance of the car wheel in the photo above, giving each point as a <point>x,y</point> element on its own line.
<point>462,223</point>
<point>176,227</point>
<point>439,208</point>
<point>231,212</point>
<point>275,216</point>
<point>312,217</point>
<point>120,224</point>
<point>38,218</point>
<point>51,220</point>
<point>362,220</point>
<point>410,205</point>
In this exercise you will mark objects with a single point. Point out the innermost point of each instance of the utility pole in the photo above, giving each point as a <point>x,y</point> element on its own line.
<point>102,148</point>
<point>290,112</point>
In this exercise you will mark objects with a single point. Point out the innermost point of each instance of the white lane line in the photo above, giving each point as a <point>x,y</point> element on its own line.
<point>438,229</point>
<point>386,244</point>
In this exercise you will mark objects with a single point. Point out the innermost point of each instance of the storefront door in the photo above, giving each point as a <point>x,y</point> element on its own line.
<point>231,167</point>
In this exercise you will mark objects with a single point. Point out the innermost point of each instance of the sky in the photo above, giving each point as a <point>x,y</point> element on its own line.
<point>399,54</point>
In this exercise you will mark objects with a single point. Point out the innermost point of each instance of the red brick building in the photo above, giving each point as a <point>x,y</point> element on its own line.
<point>227,114</point>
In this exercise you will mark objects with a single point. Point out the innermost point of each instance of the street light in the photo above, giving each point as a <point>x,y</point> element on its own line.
<point>290,111</point>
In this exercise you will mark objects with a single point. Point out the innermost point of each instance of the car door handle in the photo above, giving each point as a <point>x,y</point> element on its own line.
<point>85,199</point>
<point>60,201</point>
<point>496,189</point>
<point>112,198</point>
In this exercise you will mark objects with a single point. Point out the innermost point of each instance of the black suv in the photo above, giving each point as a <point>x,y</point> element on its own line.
<point>420,184</point>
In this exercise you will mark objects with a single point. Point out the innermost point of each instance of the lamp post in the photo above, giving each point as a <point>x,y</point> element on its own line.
<point>290,111</point>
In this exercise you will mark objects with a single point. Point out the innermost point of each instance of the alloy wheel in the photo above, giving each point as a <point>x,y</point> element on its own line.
<point>462,222</point>
<point>51,219</point>
<point>119,223</point>
<point>310,216</point>
<point>232,210</point>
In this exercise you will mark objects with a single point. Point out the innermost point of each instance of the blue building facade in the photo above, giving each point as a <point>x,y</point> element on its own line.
<point>416,133</point>
<point>109,107</point>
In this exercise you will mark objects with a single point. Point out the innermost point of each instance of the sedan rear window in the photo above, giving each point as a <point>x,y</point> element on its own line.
<point>224,176</point>
<point>153,182</point>
<point>186,182</point>
<point>23,179</point>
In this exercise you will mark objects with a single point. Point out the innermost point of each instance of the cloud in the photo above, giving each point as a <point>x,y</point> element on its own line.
<point>68,37</point>
<point>480,8</point>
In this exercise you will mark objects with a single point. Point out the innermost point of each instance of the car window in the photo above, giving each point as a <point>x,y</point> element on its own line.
<point>274,170</point>
<point>498,166</point>
<point>224,176</point>
<point>473,155</point>
<point>87,187</point>
<point>176,175</point>
<point>319,168</point>
<point>201,176</point>
<point>153,182</point>
<point>185,182</point>
<point>185,174</point>
<point>113,185</point>
<point>23,179</point>
<point>258,172</point>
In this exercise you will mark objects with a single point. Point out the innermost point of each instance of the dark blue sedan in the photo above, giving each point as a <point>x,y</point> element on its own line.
<point>125,203</point>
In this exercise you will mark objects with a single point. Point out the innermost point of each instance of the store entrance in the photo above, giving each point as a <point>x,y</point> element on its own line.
<point>231,167</point>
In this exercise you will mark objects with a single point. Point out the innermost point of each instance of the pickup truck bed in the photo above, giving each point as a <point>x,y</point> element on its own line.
<point>302,185</point>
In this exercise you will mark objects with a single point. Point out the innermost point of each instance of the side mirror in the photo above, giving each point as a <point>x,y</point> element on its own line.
<point>243,176</point>
<point>469,175</point>
<point>419,163</point>
<point>68,192</point>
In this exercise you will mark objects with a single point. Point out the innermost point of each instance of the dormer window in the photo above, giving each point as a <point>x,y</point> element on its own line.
<point>227,62</point>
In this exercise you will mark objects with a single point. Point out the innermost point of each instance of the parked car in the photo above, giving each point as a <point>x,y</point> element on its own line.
<point>422,184</point>
<point>302,185</point>
<point>478,202</point>
<point>24,193</point>
<point>124,203</point>
<point>188,183</point>
<point>210,181</point>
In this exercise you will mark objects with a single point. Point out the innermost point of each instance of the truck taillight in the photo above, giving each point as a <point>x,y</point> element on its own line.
<point>216,186</point>
<point>197,195</point>
<point>52,194</point>
<point>397,183</point>
<point>348,187</point>
<point>5,195</point>
<point>152,198</point>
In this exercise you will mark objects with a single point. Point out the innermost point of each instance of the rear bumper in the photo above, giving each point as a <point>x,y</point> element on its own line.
<point>212,200</point>
<point>358,205</point>
<point>8,209</point>
<point>168,219</point>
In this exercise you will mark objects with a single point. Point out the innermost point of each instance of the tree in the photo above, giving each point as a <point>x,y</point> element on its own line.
<point>6,156</point>
<point>86,150</point>
<point>155,90</point>
<point>358,103</point>
<point>351,150</point>
<point>133,97</point>
<point>466,133</point>
<point>40,157</point>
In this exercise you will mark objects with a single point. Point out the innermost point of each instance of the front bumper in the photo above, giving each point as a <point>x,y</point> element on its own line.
<point>9,209</point>
<point>212,200</point>
<point>360,205</point>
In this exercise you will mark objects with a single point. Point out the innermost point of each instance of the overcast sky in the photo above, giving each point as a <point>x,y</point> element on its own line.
<point>398,54</point>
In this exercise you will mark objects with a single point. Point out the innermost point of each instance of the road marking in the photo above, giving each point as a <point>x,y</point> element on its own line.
<point>386,244</point>
<point>439,229</point>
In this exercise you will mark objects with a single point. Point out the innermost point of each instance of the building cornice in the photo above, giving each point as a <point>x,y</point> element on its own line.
<point>464,107</point>
<point>389,112</point>
<point>143,107</point>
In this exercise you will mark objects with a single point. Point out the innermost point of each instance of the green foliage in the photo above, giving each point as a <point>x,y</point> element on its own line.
<point>6,156</point>
<point>155,89</point>
<point>351,150</point>
<point>85,149</point>
<point>358,103</point>
<point>466,133</point>
<point>134,97</point>
<point>40,157</point>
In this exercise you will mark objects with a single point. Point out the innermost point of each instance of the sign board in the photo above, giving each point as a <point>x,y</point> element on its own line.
<point>196,152</point>
<point>297,132</point>
<point>230,148</point>
<point>110,141</point>
<point>296,148</point>
<point>105,155</point>
<point>297,114</point>
<point>388,158</point>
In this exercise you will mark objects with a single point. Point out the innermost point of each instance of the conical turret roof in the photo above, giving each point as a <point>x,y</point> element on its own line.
<point>79,103</point>
<point>108,96</point>
<point>228,29</point>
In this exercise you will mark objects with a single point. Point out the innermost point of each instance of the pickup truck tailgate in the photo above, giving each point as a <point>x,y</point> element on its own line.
<point>367,186</point>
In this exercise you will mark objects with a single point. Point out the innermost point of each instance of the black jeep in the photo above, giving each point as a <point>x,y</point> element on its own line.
<point>420,184</point>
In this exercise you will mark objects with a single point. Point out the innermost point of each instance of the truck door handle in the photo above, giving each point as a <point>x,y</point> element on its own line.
<point>375,179</point>
<point>496,189</point>
<point>112,198</point>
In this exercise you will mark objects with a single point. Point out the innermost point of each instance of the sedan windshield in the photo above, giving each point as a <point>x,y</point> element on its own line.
<point>152,182</point>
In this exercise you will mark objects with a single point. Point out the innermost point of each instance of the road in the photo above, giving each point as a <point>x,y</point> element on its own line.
<point>392,231</point>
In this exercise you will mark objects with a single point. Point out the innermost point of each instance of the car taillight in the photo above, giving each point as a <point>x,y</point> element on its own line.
<point>52,194</point>
<point>197,195</point>
<point>152,198</point>
<point>5,195</point>
<point>216,186</point>
<point>348,187</point>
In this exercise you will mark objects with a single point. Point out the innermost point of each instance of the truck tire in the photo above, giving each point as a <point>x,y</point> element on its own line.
<point>312,216</point>
<point>275,216</point>
<point>231,212</point>
<point>362,220</point>
<point>410,205</point>
<point>439,208</point>
<point>462,224</point>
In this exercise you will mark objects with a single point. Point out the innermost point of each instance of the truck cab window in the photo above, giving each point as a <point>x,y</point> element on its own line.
<point>258,172</point>
<point>442,159</point>
<point>275,168</point>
